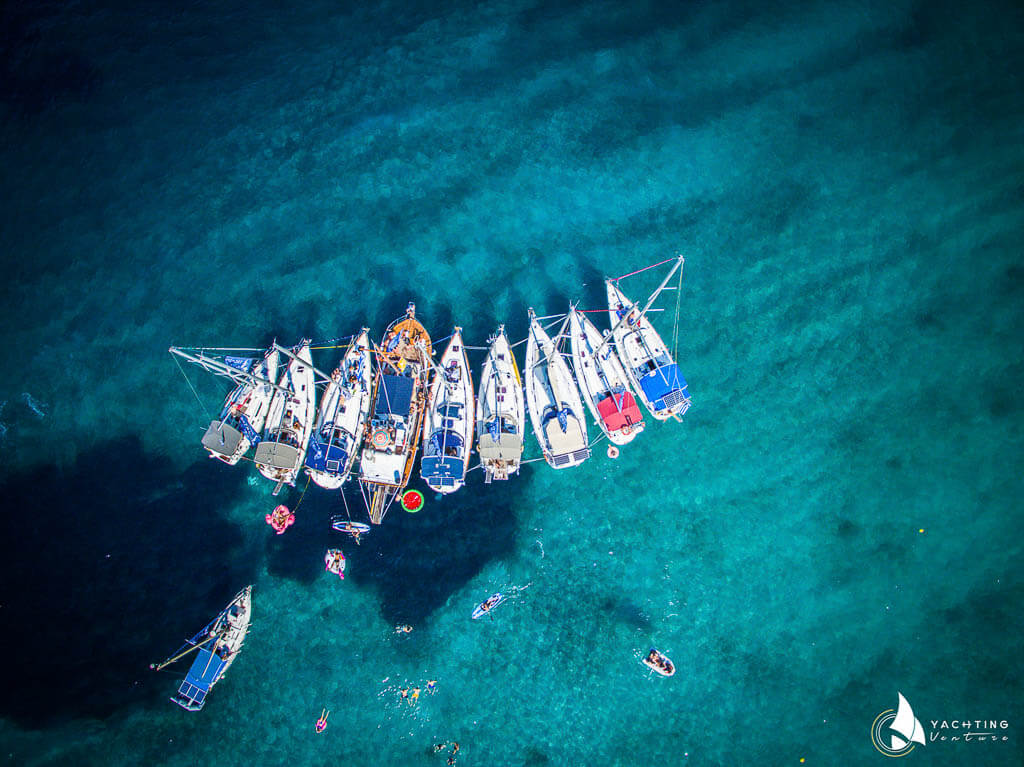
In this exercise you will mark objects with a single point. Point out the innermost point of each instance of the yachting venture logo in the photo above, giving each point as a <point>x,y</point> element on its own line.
<point>894,733</point>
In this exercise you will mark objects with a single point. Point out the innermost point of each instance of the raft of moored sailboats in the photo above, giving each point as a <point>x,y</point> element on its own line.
<point>383,401</point>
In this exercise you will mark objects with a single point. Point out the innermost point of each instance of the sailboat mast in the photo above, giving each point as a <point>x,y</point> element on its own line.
<point>647,306</point>
<point>217,367</point>
<point>179,656</point>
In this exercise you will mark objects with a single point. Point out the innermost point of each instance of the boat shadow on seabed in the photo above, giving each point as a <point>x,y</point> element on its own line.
<point>104,556</point>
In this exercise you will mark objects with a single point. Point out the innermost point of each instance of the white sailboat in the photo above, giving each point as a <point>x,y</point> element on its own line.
<point>340,424</point>
<point>556,411</point>
<point>651,369</point>
<point>245,410</point>
<point>500,411</point>
<point>603,382</point>
<point>448,425</point>
<point>216,646</point>
<point>290,421</point>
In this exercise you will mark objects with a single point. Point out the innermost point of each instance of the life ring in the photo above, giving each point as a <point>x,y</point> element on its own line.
<point>380,438</point>
<point>613,452</point>
<point>626,430</point>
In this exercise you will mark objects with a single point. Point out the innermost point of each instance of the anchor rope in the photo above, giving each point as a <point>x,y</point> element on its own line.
<point>198,398</point>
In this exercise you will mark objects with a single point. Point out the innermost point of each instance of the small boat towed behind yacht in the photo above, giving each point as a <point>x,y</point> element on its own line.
<point>651,370</point>
<point>217,644</point>
<point>245,410</point>
<point>342,418</point>
<point>603,382</point>
<point>448,427</point>
<point>290,421</point>
<point>553,400</point>
<point>500,412</point>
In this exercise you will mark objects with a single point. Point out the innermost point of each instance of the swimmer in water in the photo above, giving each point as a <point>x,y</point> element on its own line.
<point>321,723</point>
<point>415,695</point>
<point>404,629</point>
<point>431,685</point>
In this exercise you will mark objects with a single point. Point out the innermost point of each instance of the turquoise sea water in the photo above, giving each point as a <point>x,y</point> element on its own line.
<point>846,181</point>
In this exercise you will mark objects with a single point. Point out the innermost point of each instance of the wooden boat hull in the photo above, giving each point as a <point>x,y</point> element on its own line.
<point>402,373</point>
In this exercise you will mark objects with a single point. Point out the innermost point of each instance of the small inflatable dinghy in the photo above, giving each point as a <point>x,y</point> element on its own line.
<point>659,662</point>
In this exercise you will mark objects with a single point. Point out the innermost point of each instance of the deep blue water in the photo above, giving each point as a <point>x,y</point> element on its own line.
<point>837,519</point>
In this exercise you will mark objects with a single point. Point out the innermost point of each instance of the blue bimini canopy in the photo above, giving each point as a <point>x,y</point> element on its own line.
<point>394,396</point>
<point>443,468</point>
<point>205,671</point>
<point>329,458</point>
<point>664,387</point>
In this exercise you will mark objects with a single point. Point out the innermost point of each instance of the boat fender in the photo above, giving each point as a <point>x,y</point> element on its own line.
<point>613,452</point>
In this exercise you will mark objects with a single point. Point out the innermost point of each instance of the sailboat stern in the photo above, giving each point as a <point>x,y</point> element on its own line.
<point>225,442</point>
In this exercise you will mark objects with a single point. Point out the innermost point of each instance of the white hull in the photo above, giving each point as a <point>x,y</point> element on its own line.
<point>641,350</point>
<point>346,405</point>
<point>552,398</point>
<point>501,411</point>
<point>289,422</point>
<point>449,412</point>
<point>236,627</point>
<point>251,401</point>
<point>599,375</point>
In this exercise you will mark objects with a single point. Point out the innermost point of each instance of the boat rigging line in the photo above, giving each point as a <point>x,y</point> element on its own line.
<point>198,398</point>
<point>652,266</point>
<point>622,320</point>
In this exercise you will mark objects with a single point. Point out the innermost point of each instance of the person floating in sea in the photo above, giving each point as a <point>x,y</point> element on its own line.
<point>415,696</point>
<point>431,685</point>
<point>405,693</point>
<point>321,723</point>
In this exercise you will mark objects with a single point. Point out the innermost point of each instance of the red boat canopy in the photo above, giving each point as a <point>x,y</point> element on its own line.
<point>618,410</point>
